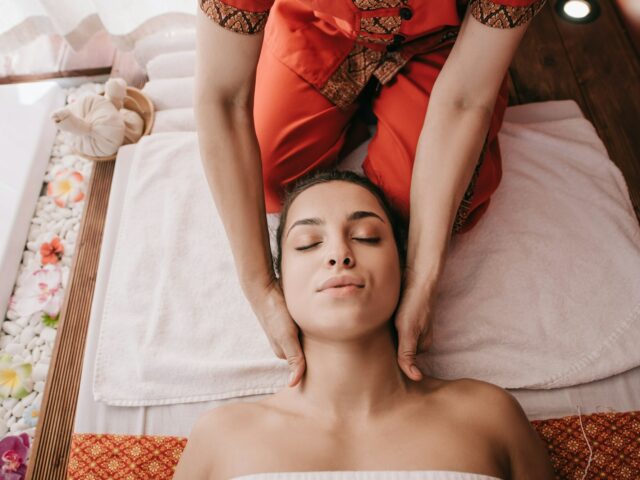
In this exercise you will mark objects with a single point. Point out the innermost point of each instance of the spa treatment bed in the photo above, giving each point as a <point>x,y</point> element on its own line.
<point>138,390</point>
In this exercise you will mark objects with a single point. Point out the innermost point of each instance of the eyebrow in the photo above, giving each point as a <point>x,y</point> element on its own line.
<point>353,216</point>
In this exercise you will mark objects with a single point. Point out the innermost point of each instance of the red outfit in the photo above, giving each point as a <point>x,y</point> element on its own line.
<point>317,58</point>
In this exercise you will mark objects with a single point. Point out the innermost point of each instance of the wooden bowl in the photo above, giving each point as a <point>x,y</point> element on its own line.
<point>138,102</point>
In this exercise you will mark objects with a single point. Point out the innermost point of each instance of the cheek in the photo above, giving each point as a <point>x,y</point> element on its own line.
<point>297,281</point>
<point>389,277</point>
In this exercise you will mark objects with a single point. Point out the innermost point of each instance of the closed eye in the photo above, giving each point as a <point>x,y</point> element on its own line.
<point>366,240</point>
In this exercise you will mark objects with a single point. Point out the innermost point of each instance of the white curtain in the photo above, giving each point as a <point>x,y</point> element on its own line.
<point>78,20</point>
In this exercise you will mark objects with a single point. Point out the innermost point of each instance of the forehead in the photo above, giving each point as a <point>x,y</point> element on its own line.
<point>333,199</point>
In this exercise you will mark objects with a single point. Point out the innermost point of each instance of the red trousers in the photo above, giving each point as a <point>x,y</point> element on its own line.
<point>299,130</point>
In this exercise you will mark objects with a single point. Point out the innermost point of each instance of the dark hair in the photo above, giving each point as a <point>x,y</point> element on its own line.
<point>315,177</point>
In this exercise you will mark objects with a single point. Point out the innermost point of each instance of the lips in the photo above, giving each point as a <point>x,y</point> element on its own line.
<point>341,281</point>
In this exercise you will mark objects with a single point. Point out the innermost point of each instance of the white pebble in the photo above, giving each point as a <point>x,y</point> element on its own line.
<point>22,321</point>
<point>28,400</point>
<point>12,328</point>
<point>35,319</point>
<point>32,344</point>
<point>48,334</point>
<point>35,355</point>
<point>14,349</point>
<point>3,428</point>
<point>7,415</point>
<point>27,256</point>
<point>39,372</point>
<point>27,334</point>
<point>12,314</point>
<point>46,351</point>
<point>4,341</point>
<point>39,386</point>
<point>40,341</point>
<point>18,410</point>
<point>39,327</point>
<point>33,246</point>
<point>68,224</point>
<point>9,403</point>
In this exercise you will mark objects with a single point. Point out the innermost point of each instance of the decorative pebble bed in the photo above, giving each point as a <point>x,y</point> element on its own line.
<point>28,332</point>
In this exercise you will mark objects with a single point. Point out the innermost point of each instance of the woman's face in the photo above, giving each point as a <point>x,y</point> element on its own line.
<point>316,240</point>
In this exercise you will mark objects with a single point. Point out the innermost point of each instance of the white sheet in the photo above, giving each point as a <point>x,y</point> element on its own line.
<point>368,475</point>
<point>617,393</point>
<point>514,291</point>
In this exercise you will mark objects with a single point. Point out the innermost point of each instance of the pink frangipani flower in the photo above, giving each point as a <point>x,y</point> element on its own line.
<point>66,188</point>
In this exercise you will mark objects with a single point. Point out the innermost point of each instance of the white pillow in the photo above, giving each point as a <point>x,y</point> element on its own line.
<point>150,47</point>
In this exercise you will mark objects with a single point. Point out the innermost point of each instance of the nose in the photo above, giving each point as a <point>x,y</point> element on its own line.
<point>340,254</point>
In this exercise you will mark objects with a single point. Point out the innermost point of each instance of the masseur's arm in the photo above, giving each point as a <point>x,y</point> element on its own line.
<point>449,146</point>
<point>225,85</point>
<point>225,82</point>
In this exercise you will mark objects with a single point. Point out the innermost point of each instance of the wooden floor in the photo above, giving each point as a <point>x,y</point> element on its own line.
<point>594,64</point>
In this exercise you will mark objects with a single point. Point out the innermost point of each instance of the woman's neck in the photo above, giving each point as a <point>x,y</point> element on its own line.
<point>351,383</point>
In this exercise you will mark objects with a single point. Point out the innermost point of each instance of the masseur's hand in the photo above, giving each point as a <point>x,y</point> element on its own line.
<point>281,330</point>
<point>413,321</point>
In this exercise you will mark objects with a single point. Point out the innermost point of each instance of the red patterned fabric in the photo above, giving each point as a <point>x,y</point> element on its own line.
<point>614,440</point>
<point>139,457</point>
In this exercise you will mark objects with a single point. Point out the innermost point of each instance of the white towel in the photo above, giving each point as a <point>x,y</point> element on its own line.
<point>166,93</point>
<point>174,120</point>
<point>543,292</point>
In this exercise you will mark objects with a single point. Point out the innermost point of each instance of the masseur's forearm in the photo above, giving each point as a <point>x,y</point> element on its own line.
<point>446,155</point>
<point>231,161</point>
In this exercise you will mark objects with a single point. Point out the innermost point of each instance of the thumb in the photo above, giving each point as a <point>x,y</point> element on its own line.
<point>407,346</point>
<point>295,359</point>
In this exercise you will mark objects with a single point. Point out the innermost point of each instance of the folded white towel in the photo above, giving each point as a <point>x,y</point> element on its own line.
<point>174,120</point>
<point>529,298</point>
<point>176,326</point>
<point>172,65</point>
<point>166,93</point>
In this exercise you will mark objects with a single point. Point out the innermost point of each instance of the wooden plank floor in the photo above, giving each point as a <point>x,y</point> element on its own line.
<point>595,65</point>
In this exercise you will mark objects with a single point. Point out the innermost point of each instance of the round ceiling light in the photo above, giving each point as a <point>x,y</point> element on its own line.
<point>578,11</point>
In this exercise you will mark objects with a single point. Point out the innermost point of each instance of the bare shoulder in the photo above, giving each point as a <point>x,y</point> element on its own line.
<point>499,415</point>
<point>211,438</point>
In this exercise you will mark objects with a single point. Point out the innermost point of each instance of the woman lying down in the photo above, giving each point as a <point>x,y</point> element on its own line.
<point>355,415</point>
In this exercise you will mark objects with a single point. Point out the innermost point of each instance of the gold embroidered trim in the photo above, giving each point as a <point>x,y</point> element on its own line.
<point>392,63</point>
<point>234,19</point>
<point>377,4</point>
<point>381,25</point>
<point>465,204</point>
<point>346,83</point>
<point>503,16</point>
